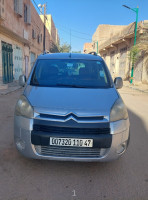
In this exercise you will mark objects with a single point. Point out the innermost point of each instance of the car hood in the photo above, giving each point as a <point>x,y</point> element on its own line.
<point>81,101</point>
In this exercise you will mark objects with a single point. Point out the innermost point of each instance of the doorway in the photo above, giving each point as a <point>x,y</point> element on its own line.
<point>7,63</point>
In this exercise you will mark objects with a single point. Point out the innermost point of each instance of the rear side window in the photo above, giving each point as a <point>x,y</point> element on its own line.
<point>70,73</point>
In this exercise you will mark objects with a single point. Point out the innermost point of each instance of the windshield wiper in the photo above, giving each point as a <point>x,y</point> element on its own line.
<point>68,85</point>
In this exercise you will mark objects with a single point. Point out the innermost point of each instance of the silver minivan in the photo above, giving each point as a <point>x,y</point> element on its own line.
<point>71,110</point>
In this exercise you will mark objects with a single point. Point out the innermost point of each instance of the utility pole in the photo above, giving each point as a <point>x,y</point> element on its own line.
<point>44,29</point>
<point>96,42</point>
<point>70,40</point>
<point>136,11</point>
<point>44,39</point>
<point>97,47</point>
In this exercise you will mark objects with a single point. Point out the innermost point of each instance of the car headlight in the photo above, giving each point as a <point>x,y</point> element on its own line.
<point>23,108</point>
<point>118,111</point>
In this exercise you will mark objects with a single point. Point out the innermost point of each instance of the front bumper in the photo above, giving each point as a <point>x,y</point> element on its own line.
<point>22,134</point>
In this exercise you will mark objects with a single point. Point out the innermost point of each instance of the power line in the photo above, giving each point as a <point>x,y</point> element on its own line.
<point>74,35</point>
<point>81,37</point>
<point>41,12</point>
<point>80,32</point>
<point>67,30</point>
<point>74,30</point>
<point>37,7</point>
<point>60,24</point>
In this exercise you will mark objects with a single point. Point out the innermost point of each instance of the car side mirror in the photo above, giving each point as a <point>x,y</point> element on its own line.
<point>118,82</point>
<point>22,80</point>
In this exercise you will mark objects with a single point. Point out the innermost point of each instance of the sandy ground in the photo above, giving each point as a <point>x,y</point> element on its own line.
<point>124,179</point>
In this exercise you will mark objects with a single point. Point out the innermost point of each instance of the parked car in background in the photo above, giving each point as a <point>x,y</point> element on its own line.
<point>71,110</point>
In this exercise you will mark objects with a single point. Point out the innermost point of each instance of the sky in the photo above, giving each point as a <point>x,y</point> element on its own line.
<point>82,17</point>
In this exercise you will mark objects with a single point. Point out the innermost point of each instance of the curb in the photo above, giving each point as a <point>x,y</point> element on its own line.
<point>136,89</point>
<point>8,92</point>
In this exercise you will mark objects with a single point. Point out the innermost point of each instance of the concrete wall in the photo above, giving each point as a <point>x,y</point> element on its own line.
<point>13,42</point>
<point>120,40</point>
<point>104,32</point>
<point>118,51</point>
<point>140,68</point>
<point>88,47</point>
<point>145,69</point>
<point>50,27</point>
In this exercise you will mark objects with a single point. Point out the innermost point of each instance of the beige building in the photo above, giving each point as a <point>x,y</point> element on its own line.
<point>114,45</point>
<point>88,47</point>
<point>21,39</point>
<point>105,31</point>
<point>54,40</point>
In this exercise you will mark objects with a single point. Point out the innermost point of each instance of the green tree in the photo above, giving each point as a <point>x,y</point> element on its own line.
<point>64,48</point>
<point>139,48</point>
<point>142,43</point>
<point>54,48</point>
<point>134,54</point>
<point>76,51</point>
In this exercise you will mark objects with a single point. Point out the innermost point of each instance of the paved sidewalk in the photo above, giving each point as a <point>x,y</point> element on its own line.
<point>140,87</point>
<point>8,88</point>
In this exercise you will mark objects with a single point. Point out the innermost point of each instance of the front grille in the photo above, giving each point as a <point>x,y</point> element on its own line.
<point>74,152</point>
<point>69,130</point>
<point>58,117</point>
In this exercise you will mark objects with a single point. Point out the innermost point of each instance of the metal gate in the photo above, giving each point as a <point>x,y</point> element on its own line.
<point>18,62</point>
<point>138,68</point>
<point>32,59</point>
<point>122,62</point>
<point>112,63</point>
<point>7,62</point>
<point>26,65</point>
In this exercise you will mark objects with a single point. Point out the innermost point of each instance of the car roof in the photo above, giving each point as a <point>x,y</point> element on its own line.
<point>69,56</point>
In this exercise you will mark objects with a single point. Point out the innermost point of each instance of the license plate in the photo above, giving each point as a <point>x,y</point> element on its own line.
<point>71,142</point>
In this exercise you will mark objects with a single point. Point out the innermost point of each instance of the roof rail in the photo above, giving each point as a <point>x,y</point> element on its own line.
<point>93,53</point>
<point>46,52</point>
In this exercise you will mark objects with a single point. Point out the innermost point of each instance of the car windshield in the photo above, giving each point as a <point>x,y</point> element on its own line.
<point>70,73</point>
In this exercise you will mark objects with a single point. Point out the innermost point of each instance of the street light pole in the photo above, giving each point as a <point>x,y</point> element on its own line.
<point>44,30</point>
<point>70,40</point>
<point>136,11</point>
<point>97,45</point>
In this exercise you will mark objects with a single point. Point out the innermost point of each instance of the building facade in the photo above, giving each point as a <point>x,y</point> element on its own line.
<point>21,39</point>
<point>88,47</point>
<point>114,45</point>
<point>54,40</point>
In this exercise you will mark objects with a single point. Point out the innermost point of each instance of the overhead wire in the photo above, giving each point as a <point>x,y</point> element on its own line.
<point>68,30</point>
